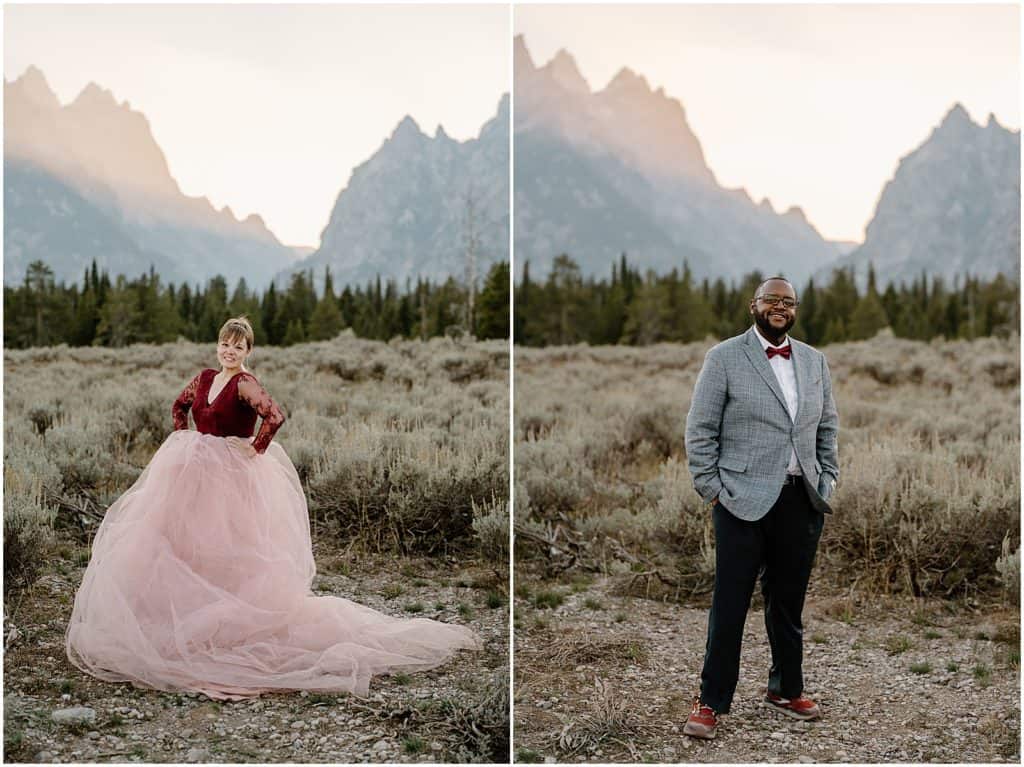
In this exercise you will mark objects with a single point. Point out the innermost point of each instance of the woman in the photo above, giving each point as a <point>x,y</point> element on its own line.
<point>200,573</point>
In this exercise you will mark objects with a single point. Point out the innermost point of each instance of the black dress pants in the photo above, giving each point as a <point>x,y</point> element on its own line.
<point>780,547</point>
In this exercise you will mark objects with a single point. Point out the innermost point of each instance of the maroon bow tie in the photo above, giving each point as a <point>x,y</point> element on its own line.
<point>782,351</point>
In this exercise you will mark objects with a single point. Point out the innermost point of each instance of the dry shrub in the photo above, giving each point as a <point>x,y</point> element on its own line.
<point>1008,566</point>
<point>27,533</point>
<point>611,718</point>
<point>573,650</point>
<point>392,452</point>
<point>491,526</point>
<point>929,457</point>
<point>476,728</point>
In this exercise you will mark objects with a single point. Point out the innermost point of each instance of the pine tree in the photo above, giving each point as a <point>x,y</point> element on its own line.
<point>492,310</point>
<point>869,316</point>
<point>294,334</point>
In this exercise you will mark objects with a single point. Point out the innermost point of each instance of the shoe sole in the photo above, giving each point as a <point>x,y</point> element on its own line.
<point>791,713</point>
<point>698,732</point>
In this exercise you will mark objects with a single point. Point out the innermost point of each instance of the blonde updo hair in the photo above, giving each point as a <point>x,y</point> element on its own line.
<point>237,328</point>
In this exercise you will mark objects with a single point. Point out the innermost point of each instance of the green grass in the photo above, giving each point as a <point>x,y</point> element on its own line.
<point>392,591</point>
<point>420,583</point>
<point>320,699</point>
<point>580,583</point>
<point>593,604</point>
<point>921,668</point>
<point>13,740</point>
<point>414,607</point>
<point>983,674</point>
<point>439,606</point>
<point>543,600</point>
<point>921,618</point>
<point>495,600</point>
<point>819,638</point>
<point>952,666</point>
<point>898,644</point>
<point>523,591</point>
<point>528,756</point>
<point>620,617</point>
<point>635,652</point>
<point>465,610</point>
<point>414,744</point>
<point>401,678</point>
<point>932,634</point>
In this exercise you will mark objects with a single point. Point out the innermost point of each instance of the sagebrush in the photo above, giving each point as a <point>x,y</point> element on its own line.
<point>402,446</point>
<point>929,457</point>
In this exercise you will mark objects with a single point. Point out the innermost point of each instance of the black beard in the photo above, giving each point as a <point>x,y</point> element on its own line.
<point>772,334</point>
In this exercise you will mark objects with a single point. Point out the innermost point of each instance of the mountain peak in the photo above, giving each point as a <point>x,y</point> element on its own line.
<point>562,68</point>
<point>957,115</point>
<point>628,81</point>
<point>992,123</point>
<point>33,86</point>
<point>94,95</point>
<point>796,213</point>
<point>521,55</point>
<point>408,127</point>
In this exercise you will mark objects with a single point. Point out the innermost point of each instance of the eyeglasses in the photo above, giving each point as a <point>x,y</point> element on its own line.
<point>773,300</point>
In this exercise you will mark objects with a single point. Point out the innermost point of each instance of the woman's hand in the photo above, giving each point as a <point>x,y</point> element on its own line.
<point>243,446</point>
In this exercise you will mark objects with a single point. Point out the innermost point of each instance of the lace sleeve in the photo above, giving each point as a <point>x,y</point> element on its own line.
<point>181,406</point>
<point>254,395</point>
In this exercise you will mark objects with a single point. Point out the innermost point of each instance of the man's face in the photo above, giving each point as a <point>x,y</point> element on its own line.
<point>774,319</point>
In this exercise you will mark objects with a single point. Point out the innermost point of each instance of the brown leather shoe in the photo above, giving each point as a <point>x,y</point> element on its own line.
<point>797,708</point>
<point>702,721</point>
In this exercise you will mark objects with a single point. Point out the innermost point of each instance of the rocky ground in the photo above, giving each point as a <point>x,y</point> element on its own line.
<point>459,712</point>
<point>601,677</point>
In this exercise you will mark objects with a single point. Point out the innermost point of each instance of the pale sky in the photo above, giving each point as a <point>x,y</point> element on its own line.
<point>267,108</point>
<point>809,105</point>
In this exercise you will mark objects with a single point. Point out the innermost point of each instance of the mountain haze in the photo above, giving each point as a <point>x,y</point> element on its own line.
<point>620,169</point>
<point>110,180</point>
<point>407,211</point>
<point>952,207</point>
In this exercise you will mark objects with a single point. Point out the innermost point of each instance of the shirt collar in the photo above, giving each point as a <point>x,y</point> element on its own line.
<point>765,343</point>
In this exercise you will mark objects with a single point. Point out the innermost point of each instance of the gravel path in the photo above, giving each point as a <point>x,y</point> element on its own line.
<point>605,678</point>
<point>407,718</point>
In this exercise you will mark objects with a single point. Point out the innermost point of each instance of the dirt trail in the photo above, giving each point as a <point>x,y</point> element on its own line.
<point>405,719</point>
<point>605,678</point>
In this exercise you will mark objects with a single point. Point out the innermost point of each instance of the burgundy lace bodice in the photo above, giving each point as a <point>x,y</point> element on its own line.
<point>233,411</point>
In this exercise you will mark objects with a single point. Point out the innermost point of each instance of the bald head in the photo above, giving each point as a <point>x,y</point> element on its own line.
<point>767,286</point>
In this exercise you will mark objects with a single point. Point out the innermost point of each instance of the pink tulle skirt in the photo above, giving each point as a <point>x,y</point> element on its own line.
<point>200,581</point>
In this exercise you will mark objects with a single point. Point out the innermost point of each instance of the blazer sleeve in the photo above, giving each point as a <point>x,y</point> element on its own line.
<point>704,425</point>
<point>828,430</point>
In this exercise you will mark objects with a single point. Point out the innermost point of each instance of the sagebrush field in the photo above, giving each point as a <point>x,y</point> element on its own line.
<point>402,448</point>
<point>927,502</point>
<point>913,605</point>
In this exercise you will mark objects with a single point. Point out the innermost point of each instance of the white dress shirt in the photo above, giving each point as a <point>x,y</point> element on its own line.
<point>786,377</point>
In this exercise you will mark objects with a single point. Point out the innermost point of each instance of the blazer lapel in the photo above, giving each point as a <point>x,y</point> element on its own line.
<point>755,352</point>
<point>798,373</point>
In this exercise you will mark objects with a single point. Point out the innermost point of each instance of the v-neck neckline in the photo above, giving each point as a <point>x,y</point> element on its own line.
<point>209,402</point>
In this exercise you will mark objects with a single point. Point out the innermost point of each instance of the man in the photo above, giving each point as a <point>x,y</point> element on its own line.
<point>761,445</point>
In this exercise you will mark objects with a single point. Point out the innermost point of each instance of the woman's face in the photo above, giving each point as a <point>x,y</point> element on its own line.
<point>231,352</point>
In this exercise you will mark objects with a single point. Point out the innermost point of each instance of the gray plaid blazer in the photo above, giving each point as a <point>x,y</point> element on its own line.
<point>739,433</point>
